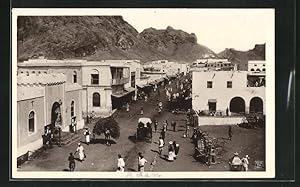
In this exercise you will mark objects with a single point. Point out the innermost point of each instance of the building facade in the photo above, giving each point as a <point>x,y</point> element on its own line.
<point>217,91</point>
<point>45,100</point>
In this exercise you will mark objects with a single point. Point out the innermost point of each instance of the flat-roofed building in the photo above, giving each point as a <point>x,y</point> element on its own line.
<point>215,91</point>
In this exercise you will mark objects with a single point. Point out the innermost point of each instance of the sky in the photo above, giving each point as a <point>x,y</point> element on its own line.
<point>217,29</point>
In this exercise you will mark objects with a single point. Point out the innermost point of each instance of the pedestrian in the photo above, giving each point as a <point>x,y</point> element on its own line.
<point>187,131</point>
<point>155,125</point>
<point>166,122</point>
<point>127,107</point>
<point>121,163</point>
<point>87,136</point>
<point>142,111</point>
<point>71,160</point>
<point>107,136</point>
<point>171,153</point>
<point>229,133</point>
<point>173,123</point>
<point>142,162</point>
<point>245,162</point>
<point>161,144</point>
<point>81,152</point>
<point>165,126</point>
<point>227,112</point>
<point>163,134</point>
<point>146,98</point>
<point>176,149</point>
<point>213,154</point>
<point>88,119</point>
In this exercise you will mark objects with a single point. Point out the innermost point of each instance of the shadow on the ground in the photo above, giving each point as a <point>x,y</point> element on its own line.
<point>66,170</point>
<point>102,141</point>
<point>132,138</point>
<point>155,151</point>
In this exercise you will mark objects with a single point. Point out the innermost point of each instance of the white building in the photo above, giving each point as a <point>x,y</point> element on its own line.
<point>215,91</point>
<point>256,66</point>
<point>213,65</point>
<point>165,66</point>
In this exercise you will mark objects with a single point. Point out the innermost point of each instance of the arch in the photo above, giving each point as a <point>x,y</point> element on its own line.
<point>72,109</point>
<point>56,117</point>
<point>256,105</point>
<point>237,105</point>
<point>74,77</point>
<point>96,99</point>
<point>31,121</point>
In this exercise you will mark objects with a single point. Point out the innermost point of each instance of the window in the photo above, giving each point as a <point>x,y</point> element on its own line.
<point>31,122</point>
<point>74,77</point>
<point>258,69</point>
<point>264,65</point>
<point>229,84</point>
<point>209,84</point>
<point>96,99</point>
<point>255,65</point>
<point>263,69</point>
<point>252,69</point>
<point>95,77</point>
<point>72,109</point>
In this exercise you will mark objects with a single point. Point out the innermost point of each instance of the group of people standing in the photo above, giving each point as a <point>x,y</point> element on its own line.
<point>179,98</point>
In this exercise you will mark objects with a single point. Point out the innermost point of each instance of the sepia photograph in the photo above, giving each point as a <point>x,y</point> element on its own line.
<point>143,93</point>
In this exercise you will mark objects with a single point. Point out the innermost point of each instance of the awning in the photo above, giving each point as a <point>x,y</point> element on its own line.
<point>212,100</point>
<point>141,85</point>
<point>121,94</point>
<point>130,89</point>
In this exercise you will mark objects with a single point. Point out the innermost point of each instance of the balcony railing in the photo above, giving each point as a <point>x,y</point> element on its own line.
<point>119,81</point>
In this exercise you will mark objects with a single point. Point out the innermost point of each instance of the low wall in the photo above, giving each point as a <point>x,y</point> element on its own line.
<point>207,120</point>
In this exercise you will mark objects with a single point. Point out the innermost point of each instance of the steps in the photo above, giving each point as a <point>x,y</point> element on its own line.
<point>68,138</point>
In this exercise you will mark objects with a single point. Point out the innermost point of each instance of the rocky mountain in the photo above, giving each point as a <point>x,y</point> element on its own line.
<point>241,57</point>
<point>103,37</point>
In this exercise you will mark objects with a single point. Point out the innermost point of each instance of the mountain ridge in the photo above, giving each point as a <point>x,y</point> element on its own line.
<point>101,38</point>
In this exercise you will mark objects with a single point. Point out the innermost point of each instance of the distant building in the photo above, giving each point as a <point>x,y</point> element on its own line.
<point>256,66</point>
<point>165,66</point>
<point>215,91</point>
<point>213,65</point>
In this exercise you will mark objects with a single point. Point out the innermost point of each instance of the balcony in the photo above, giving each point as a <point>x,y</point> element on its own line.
<point>119,81</point>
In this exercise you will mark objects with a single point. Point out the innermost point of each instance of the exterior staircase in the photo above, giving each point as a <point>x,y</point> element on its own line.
<point>68,138</point>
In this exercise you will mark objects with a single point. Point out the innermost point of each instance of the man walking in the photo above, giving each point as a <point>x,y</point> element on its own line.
<point>245,162</point>
<point>161,144</point>
<point>80,151</point>
<point>71,160</point>
<point>163,134</point>
<point>155,125</point>
<point>141,162</point>
<point>173,123</point>
<point>87,136</point>
<point>121,163</point>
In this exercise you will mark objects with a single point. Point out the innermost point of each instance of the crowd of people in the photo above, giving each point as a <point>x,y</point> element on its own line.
<point>179,98</point>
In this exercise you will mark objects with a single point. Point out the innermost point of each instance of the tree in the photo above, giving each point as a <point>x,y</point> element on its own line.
<point>107,123</point>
